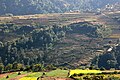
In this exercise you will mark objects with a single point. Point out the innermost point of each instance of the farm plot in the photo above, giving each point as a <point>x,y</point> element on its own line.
<point>77,71</point>
<point>54,73</point>
<point>11,75</point>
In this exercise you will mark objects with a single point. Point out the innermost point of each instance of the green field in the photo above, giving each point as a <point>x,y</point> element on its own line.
<point>59,74</point>
<point>54,73</point>
<point>11,75</point>
<point>35,75</point>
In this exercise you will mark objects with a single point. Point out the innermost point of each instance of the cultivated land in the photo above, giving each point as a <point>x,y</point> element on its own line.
<point>60,75</point>
<point>50,19</point>
<point>63,19</point>
<point>66,19</point>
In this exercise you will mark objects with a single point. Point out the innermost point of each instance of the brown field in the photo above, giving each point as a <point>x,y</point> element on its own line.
<point>56,18</point>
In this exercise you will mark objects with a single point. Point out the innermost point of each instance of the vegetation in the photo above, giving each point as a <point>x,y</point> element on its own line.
<point>54,73</point>
<point>93,74</point>
<point>41,46</point>
<point>48,6</point>
<point>80,72</point>
<point>111,59</point>
<point>38,44</point>
<point>11,75</point>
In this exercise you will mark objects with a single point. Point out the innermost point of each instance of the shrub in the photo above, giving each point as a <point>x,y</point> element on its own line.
<point>102,68</point>
<point>74,75</point>
<point>7,76</point>
<point>80,74</point>
<point>65,68</point>
<point>115,72</point>
<point>86,78</point>
<point>118,72</point>
<point>43,74</point>
<point>19,73</point>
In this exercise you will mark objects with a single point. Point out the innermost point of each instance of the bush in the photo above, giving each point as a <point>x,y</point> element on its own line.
<point>114,78</point>
<point>102,68</point>
<point>72,76</point>
<point>7,77</point>
<point>118,72</point>
<point>86,78</point>
<point>115,72</point>
<point>75,75</point>
<point>65,68</point>
<point>97,78</point>
<point>19,73</point>
<point>43,74</point>
<point>80,74</point>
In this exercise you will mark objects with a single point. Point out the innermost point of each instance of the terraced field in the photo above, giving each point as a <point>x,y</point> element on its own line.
<point>49,19</point>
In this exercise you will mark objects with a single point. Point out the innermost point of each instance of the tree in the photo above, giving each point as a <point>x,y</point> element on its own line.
<point>15,64</point>
<point>50,67</point>
<point>27,68</point>
<point>20,66</point>
<point>112,63</point>
<point>8,67</point>
<point>1,44</point>
<point>102,68</point>
<point>91,67</point>
<point>1,67</point>
<point>37,67</point>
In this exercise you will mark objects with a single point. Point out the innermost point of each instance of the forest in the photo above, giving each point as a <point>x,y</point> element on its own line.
<point>22,7</point>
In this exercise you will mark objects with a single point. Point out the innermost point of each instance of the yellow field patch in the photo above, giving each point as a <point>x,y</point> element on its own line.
<point>28,78</point>
<point>77,71</point>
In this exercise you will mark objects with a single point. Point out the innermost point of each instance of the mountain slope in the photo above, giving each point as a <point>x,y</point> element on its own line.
<point>19,7</point>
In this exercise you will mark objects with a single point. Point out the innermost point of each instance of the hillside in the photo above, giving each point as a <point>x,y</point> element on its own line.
<point>62,39</point>
<point>110,58</point>
<point>21,7</point>
<point>66,40</point>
